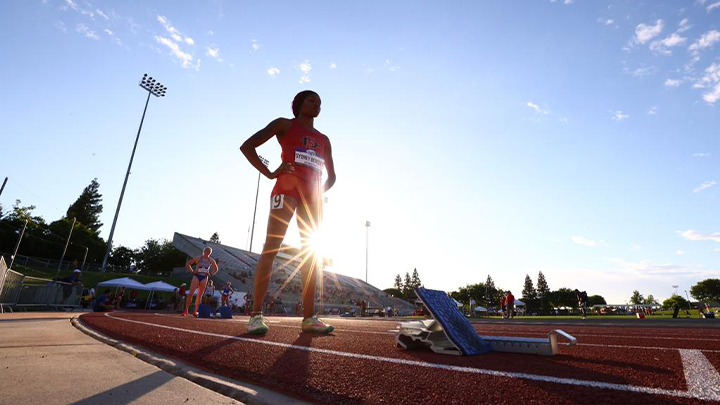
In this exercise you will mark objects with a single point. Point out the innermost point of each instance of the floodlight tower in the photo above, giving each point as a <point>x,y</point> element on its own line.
<point>156,89</point>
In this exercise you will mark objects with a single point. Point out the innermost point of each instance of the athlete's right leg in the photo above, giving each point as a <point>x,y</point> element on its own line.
<point>278,221</point>
<point>189,292</point>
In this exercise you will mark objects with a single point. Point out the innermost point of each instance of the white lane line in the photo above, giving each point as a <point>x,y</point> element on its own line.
<point>701,377</point>
<point>618,336</point>
<point>446,367</point>
<point>393,334</point>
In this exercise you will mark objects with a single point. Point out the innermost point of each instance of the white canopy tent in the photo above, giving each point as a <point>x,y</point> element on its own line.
<point>519,303</point>
<point>480,309</point>
<point>126,282</point>
<point>158,286</point>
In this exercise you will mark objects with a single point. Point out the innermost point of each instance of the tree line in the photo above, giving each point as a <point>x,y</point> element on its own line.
<point>47,240</point>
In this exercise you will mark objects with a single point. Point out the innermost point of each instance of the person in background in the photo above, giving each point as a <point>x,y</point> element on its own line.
<point>209,292</point>
<point>103,302</point>
<point>582,298</point>
<point>510,304</point>
<point>118,297</point>
<point>226,293</point>
<point>502,306</point>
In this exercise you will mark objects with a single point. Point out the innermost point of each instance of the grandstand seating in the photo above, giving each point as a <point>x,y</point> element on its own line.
<point>238,267</point>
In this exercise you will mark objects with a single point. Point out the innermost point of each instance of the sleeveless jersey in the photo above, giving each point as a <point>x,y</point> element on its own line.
<point>203,265</point>
<point>305,150</point>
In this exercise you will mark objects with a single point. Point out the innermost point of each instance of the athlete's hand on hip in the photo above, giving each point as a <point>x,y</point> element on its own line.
<point>285,167</point>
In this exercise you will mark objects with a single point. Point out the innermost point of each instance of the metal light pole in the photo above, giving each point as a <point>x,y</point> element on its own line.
<point>157,90</point>
<point>67,242</point>
<point>675,287</point>
<point>367,240</point>
<point>3,186</point>
<point>688,298</point>
<point>17,246</point>
<point>82,266</point>
<point>257,192</point>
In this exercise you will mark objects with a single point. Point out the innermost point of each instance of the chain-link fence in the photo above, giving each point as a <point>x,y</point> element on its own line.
<point>65,265</point>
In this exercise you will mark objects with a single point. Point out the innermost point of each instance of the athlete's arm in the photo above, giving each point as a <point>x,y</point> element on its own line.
<point>213,264</point>
<point>190,262</point>
<point>248,148</point>
<point>330,166</point>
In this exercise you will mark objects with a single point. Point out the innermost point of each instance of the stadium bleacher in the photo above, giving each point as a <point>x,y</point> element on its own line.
<point>339,292</point>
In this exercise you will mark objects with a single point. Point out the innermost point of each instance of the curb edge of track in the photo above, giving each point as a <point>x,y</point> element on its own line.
<point>239,390</point>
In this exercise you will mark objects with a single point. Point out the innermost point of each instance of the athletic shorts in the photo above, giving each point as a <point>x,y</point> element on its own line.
<point>201,276</point>
<point>288,185</point>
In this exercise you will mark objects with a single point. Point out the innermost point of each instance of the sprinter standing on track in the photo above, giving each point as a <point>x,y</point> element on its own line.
<point>298,190</point>
<point>204,266</point>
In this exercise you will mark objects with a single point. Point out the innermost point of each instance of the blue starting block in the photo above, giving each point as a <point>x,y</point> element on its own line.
<point>451,333</point>
<point>204,311</point>
<point>224,313</point>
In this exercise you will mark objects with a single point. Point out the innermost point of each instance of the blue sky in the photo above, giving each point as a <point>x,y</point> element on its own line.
<point>579,138</point>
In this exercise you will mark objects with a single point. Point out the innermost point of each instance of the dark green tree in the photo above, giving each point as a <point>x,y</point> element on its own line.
<point>637,298</point>
<point>650,300</point>
<point>122,257</point>
<point>398,282</point>
<point>88,207</point>
<point>407,286</point>
<point>82,237</point>
<point>158,256</point>
<point>675,300</point>
<point>596,300</point>
<point>415,279</point>
<point>707,290</point>
<point>529,295</point>
<point>543,291</point>
<point>215,238</point>
<point>393,292</point>
<point>489,297</point>
<point>564,297</point>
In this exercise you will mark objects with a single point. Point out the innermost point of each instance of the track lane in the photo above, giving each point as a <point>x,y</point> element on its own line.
<point>291,370</point>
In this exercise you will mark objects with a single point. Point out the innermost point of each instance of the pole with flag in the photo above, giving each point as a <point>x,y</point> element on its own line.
<point>367,239</point>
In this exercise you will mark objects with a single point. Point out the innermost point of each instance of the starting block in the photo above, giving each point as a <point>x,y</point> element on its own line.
<point>451,333</point>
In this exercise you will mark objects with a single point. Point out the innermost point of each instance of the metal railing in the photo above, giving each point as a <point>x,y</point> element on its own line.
<point>42,292</point>
<point>10,286</point>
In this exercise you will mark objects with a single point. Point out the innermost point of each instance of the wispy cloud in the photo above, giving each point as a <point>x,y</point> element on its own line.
<point>583,241</point>
<point>113,37</point>
<point>186,59</point>
<point>645,268</point>
<point>663,46</point>
<point>672,82</point>
<point>652,110</point>
<point>537,108</point>
<point>645,32</point>
<point>641,71</point>
<point>333,65</point>
<point>706,40</point>
<point>711,79</point>
<point>684,25</point>
<point>101,14</point>
<point>305,67</point>
<point>680,252</point>
<point>706,185</point>
<point>83,29</point>
<point>605,21</point>
<point>273,71</point>
<point>700,236</point>
<point>214,52</point>
<point>254,45</point>
<point>712,7</point>
<point>619,116</point>
<point>701,155</point>
<point>61,26</point>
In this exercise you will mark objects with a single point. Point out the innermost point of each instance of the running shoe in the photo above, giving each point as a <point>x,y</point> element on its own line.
<point>195,314</point>
<point>185,313</point>
<point>315,325</point>
<point>257,325</point>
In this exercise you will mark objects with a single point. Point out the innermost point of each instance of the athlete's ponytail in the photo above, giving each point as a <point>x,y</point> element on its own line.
<point>299,99</point>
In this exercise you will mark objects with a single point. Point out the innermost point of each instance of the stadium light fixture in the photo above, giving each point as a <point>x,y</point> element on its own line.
<point>257,191</point>
<point>155,88</point>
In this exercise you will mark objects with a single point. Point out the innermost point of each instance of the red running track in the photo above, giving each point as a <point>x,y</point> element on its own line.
<point>359,364</point>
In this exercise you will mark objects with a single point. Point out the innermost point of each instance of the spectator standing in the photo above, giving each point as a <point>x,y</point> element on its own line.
<point>118,297</point>
<point>502,305</point>
<point>209,292</point>
<point>226,293</point>
<point>510,304</point>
